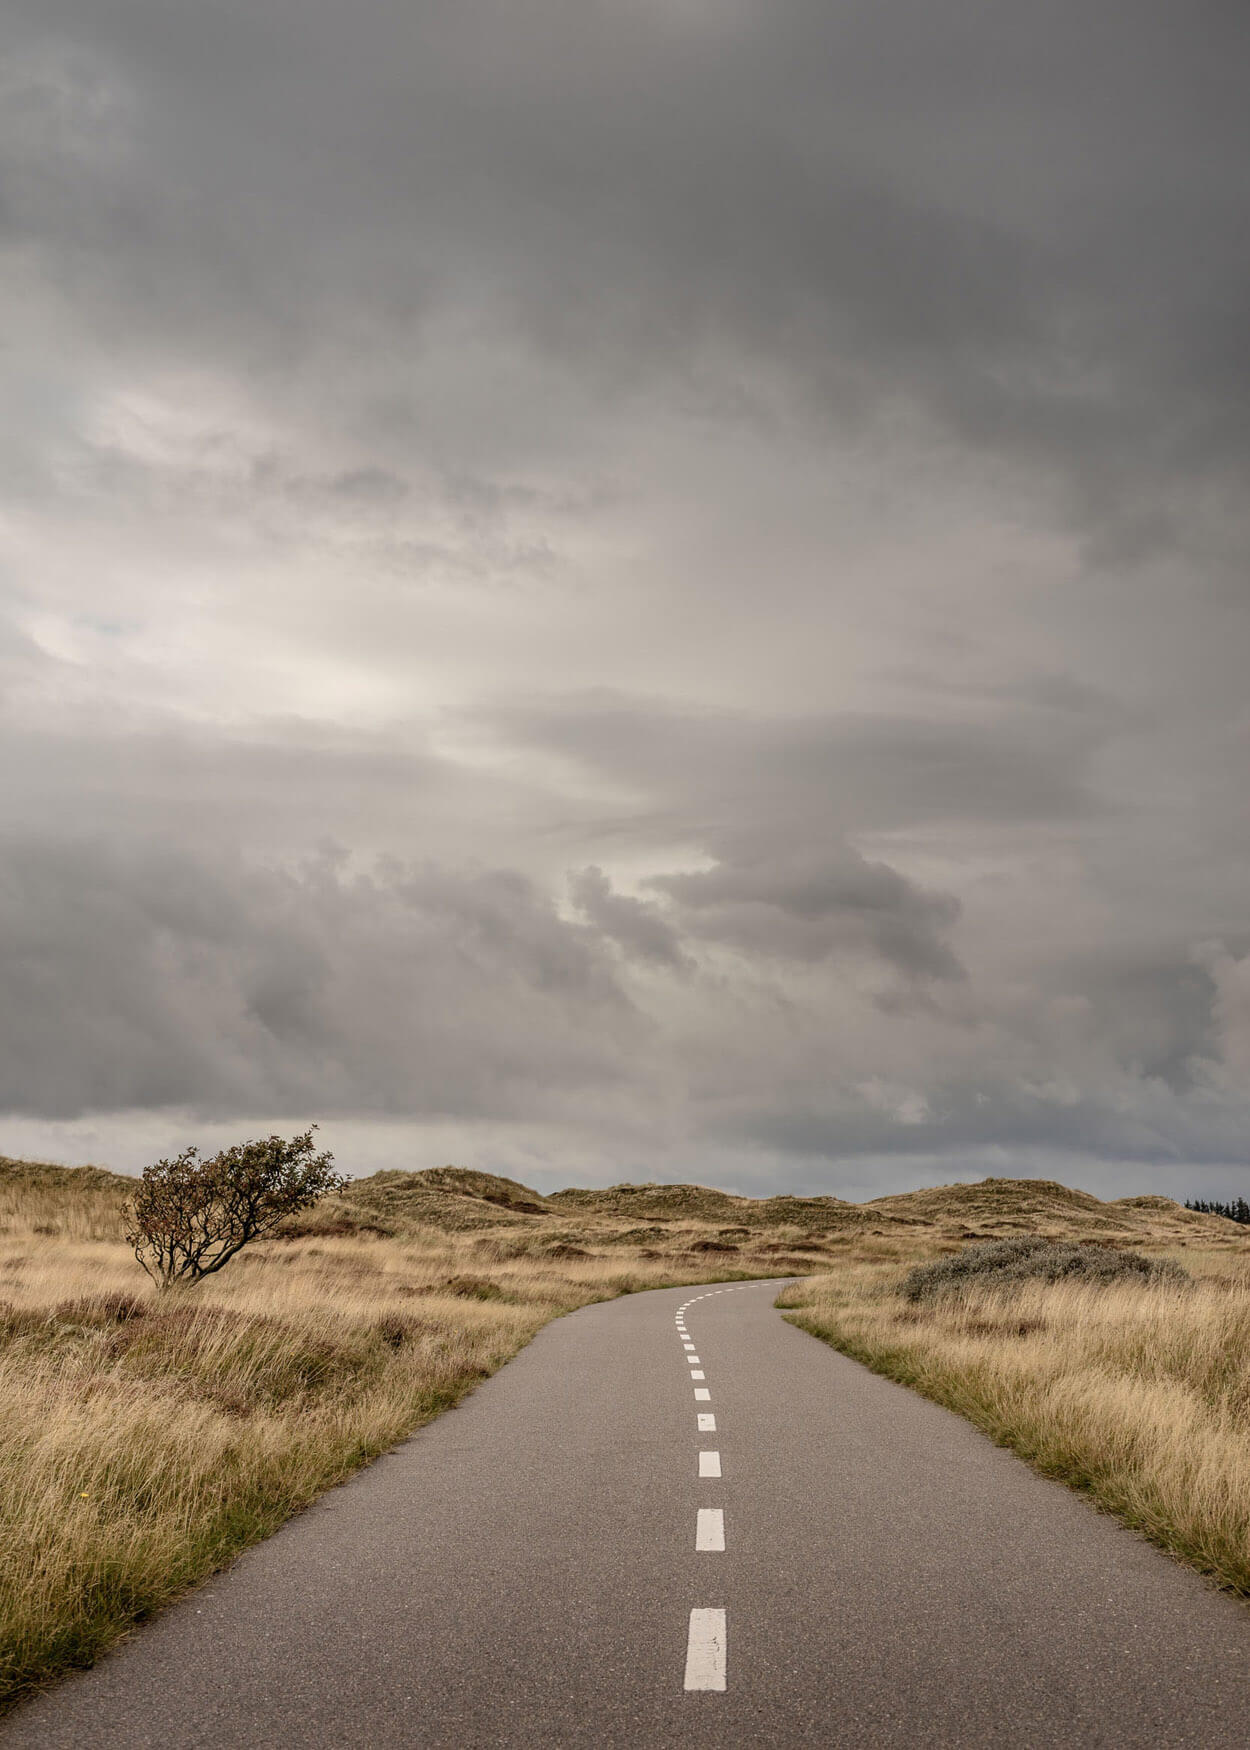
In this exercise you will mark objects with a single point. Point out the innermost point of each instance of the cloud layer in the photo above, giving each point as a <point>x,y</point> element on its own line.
<point>636,588</point>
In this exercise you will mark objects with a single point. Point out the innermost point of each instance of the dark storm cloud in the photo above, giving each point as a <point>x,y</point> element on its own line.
<point>148,978</point>
<point>812,905</point>
<point>1153,1015</point>
<point>1024,223</point>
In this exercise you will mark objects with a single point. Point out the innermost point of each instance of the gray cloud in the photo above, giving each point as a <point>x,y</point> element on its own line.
<point>616,585</point>
<point>635,926</point>
<point>734,773</point>
<point>810,905</point>
<point>1028,230</point>
<point>1155,1017</point>
<point>147,978</point>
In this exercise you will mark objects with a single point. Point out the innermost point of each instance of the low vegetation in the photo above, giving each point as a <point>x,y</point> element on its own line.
<point>1005,1264</point>
<point>147,1436</point>
<point>1124,1375</point>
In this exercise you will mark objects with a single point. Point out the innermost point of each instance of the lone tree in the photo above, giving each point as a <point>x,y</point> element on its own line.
<point>189,1217</point>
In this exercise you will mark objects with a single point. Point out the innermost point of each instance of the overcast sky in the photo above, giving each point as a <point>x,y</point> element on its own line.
<point>629,588</point>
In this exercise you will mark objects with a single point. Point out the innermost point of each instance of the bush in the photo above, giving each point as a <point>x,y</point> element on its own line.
<point>1007,1263</point>
<point>474,1287</point>
<point>189,1217</point>
<point>396,1328</point>
<point>102,1309</point>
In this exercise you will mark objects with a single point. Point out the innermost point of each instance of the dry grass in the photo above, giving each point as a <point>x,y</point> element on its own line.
<point>1136,1393</point>
<point>145,1440</point>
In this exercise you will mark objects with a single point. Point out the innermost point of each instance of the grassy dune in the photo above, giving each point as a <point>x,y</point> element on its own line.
<point>1138,1395</point>
<point>145,1441</point>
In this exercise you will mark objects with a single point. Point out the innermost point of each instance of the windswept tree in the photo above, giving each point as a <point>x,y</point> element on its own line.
<point>189,1217</point>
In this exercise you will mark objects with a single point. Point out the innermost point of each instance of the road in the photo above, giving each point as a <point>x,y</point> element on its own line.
<point>562,1561</point>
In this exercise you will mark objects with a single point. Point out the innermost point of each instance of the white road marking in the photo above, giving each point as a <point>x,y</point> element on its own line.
<point>697,1373</point>
<point>693,1360</point>
<point>709,1464</point>
<point>702,1395</point>
<point>709,1528</point>
<point>705,1650</point>
<point>707,1422</point>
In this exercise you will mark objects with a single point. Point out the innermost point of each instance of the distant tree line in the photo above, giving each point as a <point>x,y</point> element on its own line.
<point>1237,1210</point>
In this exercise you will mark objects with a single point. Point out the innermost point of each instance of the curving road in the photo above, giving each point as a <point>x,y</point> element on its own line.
<point>676,1521</point>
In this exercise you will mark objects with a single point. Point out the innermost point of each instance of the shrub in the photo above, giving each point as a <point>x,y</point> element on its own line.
<point>189,1217</point>
<point>474,1287</point>
<point>1006,1263</point>
<point>18,1321</point>
<point>396,1328</point>
<point>102,1309</point>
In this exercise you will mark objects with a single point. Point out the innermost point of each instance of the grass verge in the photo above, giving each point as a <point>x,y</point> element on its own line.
<point>146,1440</point>
<point>1135,1393</point>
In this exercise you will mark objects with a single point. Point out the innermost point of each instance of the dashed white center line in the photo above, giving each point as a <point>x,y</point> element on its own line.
<point>709,1529</point>
<point>705,1650</point>
<point>706,1644</point>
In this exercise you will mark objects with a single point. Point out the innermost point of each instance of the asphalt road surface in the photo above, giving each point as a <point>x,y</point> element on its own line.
<point>674,1520</point>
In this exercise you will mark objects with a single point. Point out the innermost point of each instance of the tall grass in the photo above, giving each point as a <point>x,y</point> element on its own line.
<point>1136,1392</point>
<point>41,1201</point>
<point>146,1439</point>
